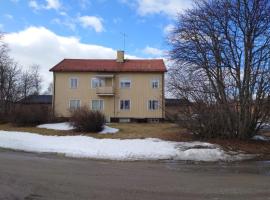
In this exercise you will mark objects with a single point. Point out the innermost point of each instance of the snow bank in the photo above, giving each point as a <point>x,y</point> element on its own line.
<point>113,149</point>
<point>65,126</point>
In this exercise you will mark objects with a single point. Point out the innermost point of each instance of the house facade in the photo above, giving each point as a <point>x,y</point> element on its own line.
<point>124,90</point>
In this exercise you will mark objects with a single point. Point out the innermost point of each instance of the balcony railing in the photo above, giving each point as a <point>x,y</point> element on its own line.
<point>105,91</point>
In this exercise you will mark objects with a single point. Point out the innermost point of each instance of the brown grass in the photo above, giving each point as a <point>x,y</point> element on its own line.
<point>42,131</point>
<point>166,131</point>
<point>246,146</point>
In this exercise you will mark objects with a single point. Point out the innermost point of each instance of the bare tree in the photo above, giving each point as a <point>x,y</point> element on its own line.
<point>37,80</point>
<point>221,51</point>
<point>9,75</point>
<point>30,81</point>
<point>15,83</point>
<point>49,90</point>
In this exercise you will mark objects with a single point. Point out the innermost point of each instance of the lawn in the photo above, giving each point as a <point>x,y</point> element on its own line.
<point>165,131</point>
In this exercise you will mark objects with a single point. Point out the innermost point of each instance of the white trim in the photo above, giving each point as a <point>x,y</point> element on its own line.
<point>91,103</point>
<point>126,80</point>
<point>149,106</point>
<point>91,82</point>
<point>155,80</point>
<point>104,76</point>
<point>70,82</point>
<point>124,100</point>
<point>74,100</point>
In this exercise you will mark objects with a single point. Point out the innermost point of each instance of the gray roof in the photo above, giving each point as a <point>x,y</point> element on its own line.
<point>37,99</point>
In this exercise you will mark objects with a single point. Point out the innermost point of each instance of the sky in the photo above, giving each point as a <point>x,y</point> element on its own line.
<point>44,32</point>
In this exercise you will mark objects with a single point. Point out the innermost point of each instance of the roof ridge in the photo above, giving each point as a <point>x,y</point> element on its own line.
<point>110,65</point>
<point>109,59</point>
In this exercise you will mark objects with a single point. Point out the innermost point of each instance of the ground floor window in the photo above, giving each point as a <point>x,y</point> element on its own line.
<point>124,104</point>
<point>152,104</point>
<point>97,104</point>
<point>74,104</point>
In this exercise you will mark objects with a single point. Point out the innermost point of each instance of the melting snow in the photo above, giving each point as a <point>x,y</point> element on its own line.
<point>114,149</point>
<point>65,126</point>
<point>260,138</point>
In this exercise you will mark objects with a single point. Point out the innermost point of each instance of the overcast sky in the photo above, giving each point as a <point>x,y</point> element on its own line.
<point>46,31</point>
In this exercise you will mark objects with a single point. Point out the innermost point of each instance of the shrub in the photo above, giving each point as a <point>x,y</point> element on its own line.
<point>29,115</point>
<point>86,120</point>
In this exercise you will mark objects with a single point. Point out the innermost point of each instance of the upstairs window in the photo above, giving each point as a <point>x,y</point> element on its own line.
<point>125,84</point>
<point>124,104</point>
<point>73,83</point>
<point>97,82</point>
<point>153,105</point>
<point>155,84</point>
<point>97,104</point>
<point>74,104</point>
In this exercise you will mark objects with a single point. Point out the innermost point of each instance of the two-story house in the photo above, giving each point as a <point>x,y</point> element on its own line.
<point>123,89</point>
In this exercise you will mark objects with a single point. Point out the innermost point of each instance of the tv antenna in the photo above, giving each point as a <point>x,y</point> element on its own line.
<point>124,35</point>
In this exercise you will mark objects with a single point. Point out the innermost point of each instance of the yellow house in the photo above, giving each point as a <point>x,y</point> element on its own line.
<point>123,89</point>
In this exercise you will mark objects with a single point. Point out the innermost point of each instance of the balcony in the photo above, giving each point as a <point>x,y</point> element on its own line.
<point>105,91</point>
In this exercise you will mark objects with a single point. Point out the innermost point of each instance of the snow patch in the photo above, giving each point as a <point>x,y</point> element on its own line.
<point>109,130</point>
<point>66,126</point>
<point>260,138</point>
<point>114,149</point>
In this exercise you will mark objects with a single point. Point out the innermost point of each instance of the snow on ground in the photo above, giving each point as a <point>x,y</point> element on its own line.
<point>65,126</point>
<point>114,149</point>
<point>260,138</point>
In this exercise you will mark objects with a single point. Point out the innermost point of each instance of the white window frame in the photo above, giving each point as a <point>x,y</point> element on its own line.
<point>100,100</point>
<point>124,80</point>
<point>148,105</point>
<point>74,100</point>
<point>100,84</point>
<point>124,100</point>
<point>70,82</point>
<point>155,80</point>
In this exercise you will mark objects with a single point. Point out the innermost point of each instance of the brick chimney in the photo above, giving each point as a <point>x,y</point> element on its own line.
<point>120,56</point>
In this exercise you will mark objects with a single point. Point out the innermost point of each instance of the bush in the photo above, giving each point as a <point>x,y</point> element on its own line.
<point>86,120</point>
<point>30,115</point>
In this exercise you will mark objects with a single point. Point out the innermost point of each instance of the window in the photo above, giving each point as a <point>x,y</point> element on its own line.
<point>97,104</point>
<point>73,83</point>
<point>152,104</point>
<point>97,82</point>
<point>124,104</point>
<point>74,104</point>
<point>125,84</point>
<point>155,84</point>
